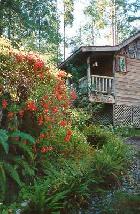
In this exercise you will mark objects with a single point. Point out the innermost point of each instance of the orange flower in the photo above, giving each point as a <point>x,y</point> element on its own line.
<point>62,74</point>
<point>42,136</point>
<point>19,57</point>
<point>39,64</point>
<point>73,94</point>
<point>40,120</point>
<point>4,103</point>
<point>58,96</point>
<point>10,115</point>
<point>68,136</point>
<point>45,149</point>
<point>54,109</point>
<point>63,123</point>
<point>31,106</point>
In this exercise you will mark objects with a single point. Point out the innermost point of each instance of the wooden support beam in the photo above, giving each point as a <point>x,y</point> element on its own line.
<point>88,73</point>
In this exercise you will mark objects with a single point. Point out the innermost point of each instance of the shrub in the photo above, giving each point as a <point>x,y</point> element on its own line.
<point>97,136</point>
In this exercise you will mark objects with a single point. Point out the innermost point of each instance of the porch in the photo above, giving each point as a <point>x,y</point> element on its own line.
<point>99,88</point>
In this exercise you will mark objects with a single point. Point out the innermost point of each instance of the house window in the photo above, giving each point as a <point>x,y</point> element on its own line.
<point>120,64</point>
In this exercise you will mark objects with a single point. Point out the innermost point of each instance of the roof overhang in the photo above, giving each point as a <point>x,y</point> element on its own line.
<point>85,51</point>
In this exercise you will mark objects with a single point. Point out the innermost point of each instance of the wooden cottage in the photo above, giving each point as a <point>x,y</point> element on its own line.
<point>111,76</point>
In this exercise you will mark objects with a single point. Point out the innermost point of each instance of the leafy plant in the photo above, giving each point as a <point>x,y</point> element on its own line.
<point>16,159</point>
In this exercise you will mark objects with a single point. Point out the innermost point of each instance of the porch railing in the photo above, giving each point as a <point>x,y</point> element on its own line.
<point>103,84</point>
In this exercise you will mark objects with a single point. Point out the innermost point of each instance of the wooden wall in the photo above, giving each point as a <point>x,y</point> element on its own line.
<point>127,85</point>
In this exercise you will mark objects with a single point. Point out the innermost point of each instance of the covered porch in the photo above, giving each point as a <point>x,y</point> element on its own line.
<point>98,81</point>
<point>94,67</point>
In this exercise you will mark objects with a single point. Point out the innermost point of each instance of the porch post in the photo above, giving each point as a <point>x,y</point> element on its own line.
<point>88,74</point>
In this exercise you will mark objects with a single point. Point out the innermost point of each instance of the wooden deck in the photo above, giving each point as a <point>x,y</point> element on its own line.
<point>101,84</point>
<point>99,88</point>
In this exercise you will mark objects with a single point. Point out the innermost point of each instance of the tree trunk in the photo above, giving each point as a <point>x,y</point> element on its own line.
<point>64,33</point>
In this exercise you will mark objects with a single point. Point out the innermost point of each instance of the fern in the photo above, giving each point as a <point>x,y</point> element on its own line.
<point>4,140</point>
<point>24,165</point>
<point>25,149</point>
<point>2,180</point>
<point>13,173</point>
<point>23,136</point>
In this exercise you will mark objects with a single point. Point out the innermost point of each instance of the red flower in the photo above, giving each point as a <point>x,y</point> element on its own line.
<point>10,115</point>
<point>30,58</point>
<point>31,106</point>
<point>42,136</point>
<point>62,74</point>
<point>45,97</point>
<point>19,57</point>
<point>63,123</point>
<point>45,105</point>
<point>40,120</point>
<point>68,136</point>
<point>54,109</point>
<point>45,149</point>
<point>39,64</point>
<point>58,96</point>
<point>4,103</point>
<point>73,94</point>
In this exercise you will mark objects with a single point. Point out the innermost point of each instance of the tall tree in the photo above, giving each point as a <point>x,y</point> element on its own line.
<point>32,23</point>
<point>96,11</point>
<point>68,18</point>
<point>123,14</point>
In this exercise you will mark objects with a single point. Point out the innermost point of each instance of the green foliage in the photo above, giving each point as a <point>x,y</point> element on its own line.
<point>31,24</point>
<point>124,131</point>
<point>64,187</point>
<point>123,202</point>
<point>23,136</point>
<point>4,140</point>
<point>97,136</point>
<point>111,157</point>
<point>16,159</point>
<point>79,117</point>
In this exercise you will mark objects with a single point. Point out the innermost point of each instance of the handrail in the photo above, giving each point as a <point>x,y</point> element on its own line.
<point>107,77</point>
<point>85,77</point>
<point>103,84</point>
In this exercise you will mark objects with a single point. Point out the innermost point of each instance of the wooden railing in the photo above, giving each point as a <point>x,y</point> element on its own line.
<point>103,84</point>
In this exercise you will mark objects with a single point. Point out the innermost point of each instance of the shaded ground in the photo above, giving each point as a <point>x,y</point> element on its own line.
<point>127,196</point>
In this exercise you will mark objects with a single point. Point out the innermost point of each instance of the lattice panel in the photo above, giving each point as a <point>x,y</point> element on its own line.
<point>126,115</point>
<point>103,119</point>
<point>122,115</point>
<point>136,116</point>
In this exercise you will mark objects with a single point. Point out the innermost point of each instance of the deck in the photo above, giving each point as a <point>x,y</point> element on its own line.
<point>99,88</point>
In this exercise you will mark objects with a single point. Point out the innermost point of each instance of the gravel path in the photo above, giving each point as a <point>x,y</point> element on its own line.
<point>133,177</point>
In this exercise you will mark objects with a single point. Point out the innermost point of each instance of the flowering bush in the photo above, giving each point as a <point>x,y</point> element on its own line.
<point>34,97</point>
